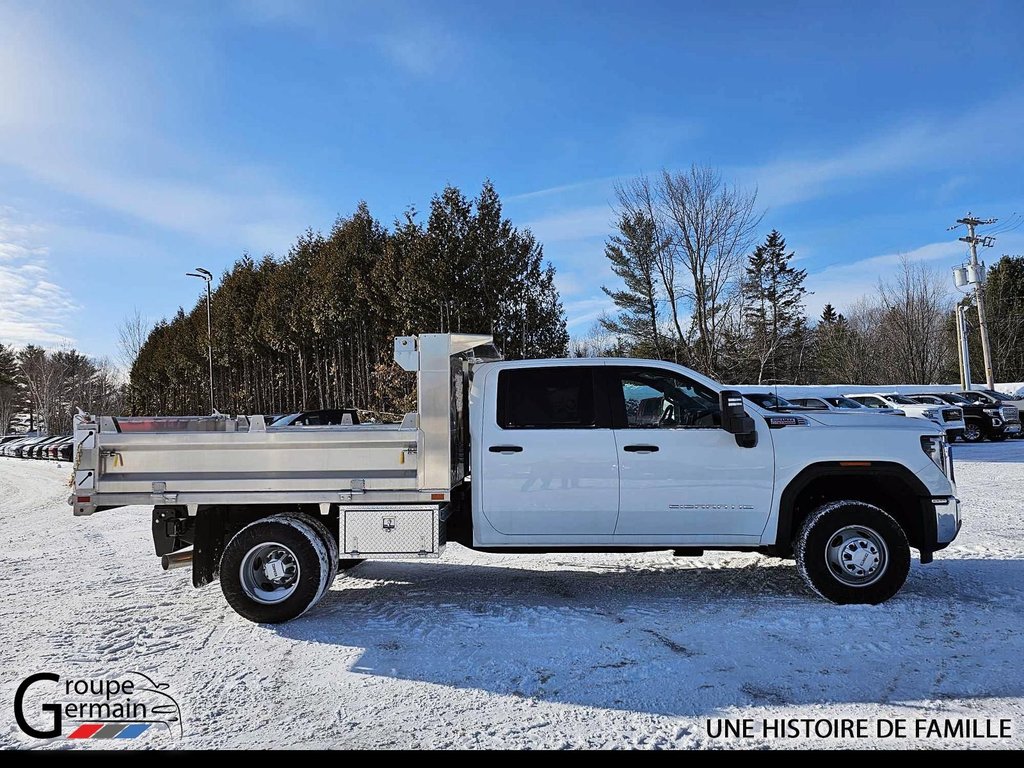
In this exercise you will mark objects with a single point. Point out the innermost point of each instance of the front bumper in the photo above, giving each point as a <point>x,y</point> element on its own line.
<point>941,524</point>
<point>947,519</point>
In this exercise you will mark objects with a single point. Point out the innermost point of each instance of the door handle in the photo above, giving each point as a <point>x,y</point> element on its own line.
<point>640,448</point>
<point>506,449</point>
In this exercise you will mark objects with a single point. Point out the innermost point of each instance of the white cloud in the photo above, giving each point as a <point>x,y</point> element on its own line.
<point>408,35</point>
<point>97,128</point>
<point>421,49</point>
<point>33,308</point>
<point>573,224</point>
<point>985,131</point>
<point>582,314</point>
<point>843,284</point>
<point>603,186</point>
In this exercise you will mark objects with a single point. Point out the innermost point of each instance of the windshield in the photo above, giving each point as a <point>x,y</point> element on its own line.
<point>956,399</point>
<point>287,421</point>
<point>1000,396</point>
<point>929,399</point>
<point>901,399</point>
<point>843,402</point>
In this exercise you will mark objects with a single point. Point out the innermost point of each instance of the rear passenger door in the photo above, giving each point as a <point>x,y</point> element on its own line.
<point>549,458</point>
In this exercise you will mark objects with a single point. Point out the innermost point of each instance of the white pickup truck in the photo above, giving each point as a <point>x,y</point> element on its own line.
<point>527,456</point>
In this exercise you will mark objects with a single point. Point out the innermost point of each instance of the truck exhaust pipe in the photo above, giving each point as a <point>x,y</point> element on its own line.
<point>176,560</point>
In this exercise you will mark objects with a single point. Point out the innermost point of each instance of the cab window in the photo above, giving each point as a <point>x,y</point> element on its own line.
<point>653,398</point>
<point>554,397</point>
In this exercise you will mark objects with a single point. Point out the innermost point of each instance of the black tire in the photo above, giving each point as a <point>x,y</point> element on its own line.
<point>973,433</point>
<point>309,564</point>
<point>850,552</point>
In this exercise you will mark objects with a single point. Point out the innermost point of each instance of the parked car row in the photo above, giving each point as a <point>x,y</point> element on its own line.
<point>970,416</point>
<point>56,447</point>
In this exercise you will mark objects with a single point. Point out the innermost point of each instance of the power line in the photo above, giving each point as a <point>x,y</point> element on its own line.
<point>1013,222</point>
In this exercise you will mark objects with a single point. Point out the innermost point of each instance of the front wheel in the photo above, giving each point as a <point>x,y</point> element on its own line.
<point>853,552</point>
<point>972,432</point>
<point>277,568</point>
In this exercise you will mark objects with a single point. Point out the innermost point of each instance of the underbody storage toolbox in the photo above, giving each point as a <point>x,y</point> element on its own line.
<point>391,531</point>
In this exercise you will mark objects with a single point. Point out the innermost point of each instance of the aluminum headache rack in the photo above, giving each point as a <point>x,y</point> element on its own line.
<point>214,460</point>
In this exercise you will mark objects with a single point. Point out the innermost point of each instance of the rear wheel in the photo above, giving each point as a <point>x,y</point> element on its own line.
<point>853,552</point>
<point>276,569</point>
<point>972,433</point>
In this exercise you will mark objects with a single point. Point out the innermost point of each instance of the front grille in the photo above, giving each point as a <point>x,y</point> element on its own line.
<point>1009,413</point>
<point>952,414</point>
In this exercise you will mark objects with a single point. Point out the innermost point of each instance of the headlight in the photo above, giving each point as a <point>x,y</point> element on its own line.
<point>931,414</point>
<point>992,411</point>
<point>935,447</point>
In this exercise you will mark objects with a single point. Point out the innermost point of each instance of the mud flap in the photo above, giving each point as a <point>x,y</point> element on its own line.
<point>209,545</point>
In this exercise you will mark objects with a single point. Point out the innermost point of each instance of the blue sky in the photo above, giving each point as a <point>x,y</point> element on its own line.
<point>139,140</point>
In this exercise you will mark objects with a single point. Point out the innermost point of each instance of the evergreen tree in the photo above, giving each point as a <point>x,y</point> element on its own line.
<point>633,253</point>
<point>10,393</point>
<point>1004,299</point>
<point>314,329</point>
<point>773,311</point>
<point>473,272</point>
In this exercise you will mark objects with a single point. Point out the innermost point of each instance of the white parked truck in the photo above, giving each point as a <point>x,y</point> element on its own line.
<point>948,417</point>
<point>527,456</point>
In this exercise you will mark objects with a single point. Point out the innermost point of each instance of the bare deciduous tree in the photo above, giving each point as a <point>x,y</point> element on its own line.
<point>915,309</point>
<point>703,228</point>
<point>59,382</point>
<point>131,336</point>
<point>901,335</point>
<point>714,225</point>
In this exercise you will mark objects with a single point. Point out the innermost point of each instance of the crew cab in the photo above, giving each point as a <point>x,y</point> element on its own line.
<point>528,456</point>
<point>983,420</point>
<point>1007,405</point>
<point>949,418</point>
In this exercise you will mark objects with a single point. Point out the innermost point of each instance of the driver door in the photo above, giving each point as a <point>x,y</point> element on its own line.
<point>680,474</point>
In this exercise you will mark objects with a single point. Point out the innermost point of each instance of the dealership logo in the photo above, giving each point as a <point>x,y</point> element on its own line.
<point>48,706</point>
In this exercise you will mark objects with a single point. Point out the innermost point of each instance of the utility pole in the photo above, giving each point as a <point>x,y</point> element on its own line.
<point>976,278</point>
<point>204,274</point>
<point>964,354</point>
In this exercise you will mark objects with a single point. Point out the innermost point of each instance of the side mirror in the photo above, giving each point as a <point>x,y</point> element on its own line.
<point>735,420</point>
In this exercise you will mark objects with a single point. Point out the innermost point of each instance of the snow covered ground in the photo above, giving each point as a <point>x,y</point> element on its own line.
<point>483,650</point>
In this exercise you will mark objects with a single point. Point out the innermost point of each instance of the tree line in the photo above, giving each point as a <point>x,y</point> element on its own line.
<point>48,386</point>
<point>696,289</point>
<point>315,328</point>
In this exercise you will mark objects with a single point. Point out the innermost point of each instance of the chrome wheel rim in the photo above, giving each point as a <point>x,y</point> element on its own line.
<point>856,556</point>
<point>269,573</point>
<point>972,432</point>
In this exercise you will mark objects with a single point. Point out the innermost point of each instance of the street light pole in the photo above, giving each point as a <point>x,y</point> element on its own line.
<point>207,276</point>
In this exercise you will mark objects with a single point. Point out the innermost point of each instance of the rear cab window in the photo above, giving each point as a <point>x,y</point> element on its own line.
<point>550,397</point>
